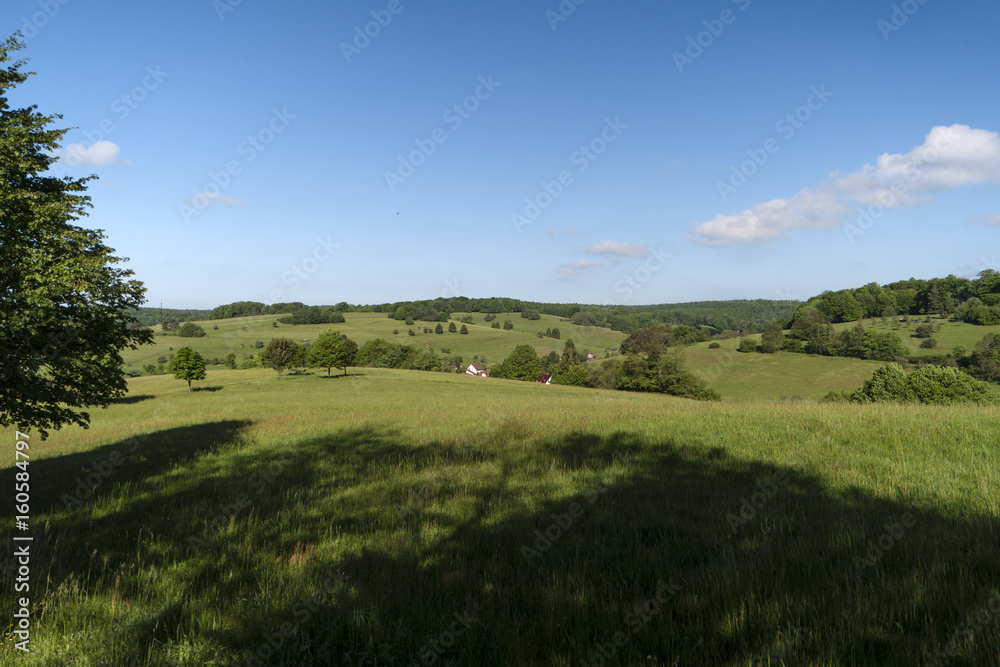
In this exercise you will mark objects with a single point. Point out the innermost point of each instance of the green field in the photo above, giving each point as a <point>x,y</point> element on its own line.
<point>389,518</point>
<point>240,334</point>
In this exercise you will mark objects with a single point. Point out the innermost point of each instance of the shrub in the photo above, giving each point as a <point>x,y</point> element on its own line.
<point>835,397</point>
<point>928,343</point>
<point>888,383</point>
<point>259,344</point>
<point>162,359</point>
<point>215,327</point>
<point>452,328</point>
<point>191,330</point>
<point>946,385</point>
<point>714,346</point>
<point>793,345</point>
<point>941,385</point>
<point>748,345</point>
<point>439,329</point>
<point>495,325</point>
<point>463,330</point>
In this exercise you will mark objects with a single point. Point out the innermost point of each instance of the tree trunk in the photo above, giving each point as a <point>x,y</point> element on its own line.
<point>189,386</point>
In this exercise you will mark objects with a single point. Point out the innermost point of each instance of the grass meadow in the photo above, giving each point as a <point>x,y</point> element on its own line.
<point>405,518</point>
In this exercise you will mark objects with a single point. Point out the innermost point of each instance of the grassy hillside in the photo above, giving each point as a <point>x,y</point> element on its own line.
<point>752,377</point>
<point>949,335</point>
<point>392,517</point>
<point>240,334</point>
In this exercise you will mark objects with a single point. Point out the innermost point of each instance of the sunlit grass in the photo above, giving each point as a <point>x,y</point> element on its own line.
<point>365,512</point>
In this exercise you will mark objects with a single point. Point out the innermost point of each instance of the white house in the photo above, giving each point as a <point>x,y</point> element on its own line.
<point>476,368</point>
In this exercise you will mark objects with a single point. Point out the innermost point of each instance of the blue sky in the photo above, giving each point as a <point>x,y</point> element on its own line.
<point>620,153</point>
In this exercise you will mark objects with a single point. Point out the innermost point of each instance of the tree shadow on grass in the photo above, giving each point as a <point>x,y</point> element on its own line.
<point>131,399</point>
<point>665,553</point>
<point>212,389</point>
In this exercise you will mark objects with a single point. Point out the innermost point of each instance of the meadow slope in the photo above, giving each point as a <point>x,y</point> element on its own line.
<point>399,517</point>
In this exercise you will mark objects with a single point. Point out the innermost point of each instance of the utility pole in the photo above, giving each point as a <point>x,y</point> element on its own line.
<point>161,313</point>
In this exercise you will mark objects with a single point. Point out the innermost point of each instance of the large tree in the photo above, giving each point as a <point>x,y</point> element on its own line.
<point>64,306</point>
<point>280,354</point>
<point>333,350</point>
<point>188,365</point>
<point>522,364</point>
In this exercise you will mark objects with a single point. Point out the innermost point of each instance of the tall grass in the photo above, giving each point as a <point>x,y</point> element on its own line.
<point>397,518</point>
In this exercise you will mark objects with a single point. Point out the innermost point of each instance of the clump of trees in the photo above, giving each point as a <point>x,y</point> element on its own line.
<point>190,330</point>
<point>647,366</point>
<point>941,385</point>
<point>333,350</point>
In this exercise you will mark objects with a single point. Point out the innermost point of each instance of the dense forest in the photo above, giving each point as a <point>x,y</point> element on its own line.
<point>976,301</point>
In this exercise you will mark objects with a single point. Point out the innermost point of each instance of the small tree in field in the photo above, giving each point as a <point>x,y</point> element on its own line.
<point>188,365</point>
<point>452,328</point>
<point>333,350</point>
<point>280,353</point>
<point>463,330</point>
<point>439,329</point>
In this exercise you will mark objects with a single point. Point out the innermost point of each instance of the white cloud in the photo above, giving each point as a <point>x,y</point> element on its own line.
<point>205,198</point>
<point>991,220</point>
<point>617,249</point>
<point>574,266</point>
<point>949,157</point>
<point>99,153</point>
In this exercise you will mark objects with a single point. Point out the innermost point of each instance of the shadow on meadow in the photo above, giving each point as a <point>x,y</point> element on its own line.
<point>667,553</point>
<point>131,399</point>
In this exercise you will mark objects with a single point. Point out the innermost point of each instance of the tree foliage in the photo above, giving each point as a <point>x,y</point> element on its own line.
<point>522,364</point>
<point>188,365</point>
<point>280,353</point>
<point>942,385</point>
<point>65,309</point>
<point>333,350</point>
